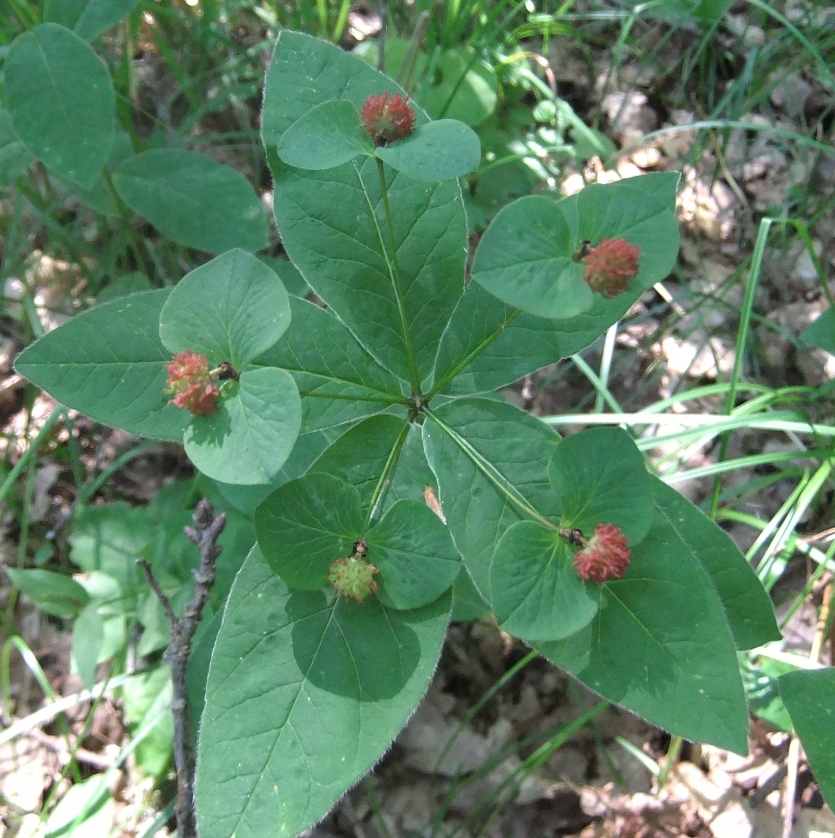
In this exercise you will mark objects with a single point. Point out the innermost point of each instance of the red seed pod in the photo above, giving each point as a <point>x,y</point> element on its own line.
<point>387,119</point>
<point>610,266</point>
<point>191,384</point>
<point>605,556</point>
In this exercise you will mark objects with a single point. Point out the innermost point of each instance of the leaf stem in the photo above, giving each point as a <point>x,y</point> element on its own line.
<point>491,473</point>
<point>396,277</point>
<point>471,355</point>
<point>388,468</point>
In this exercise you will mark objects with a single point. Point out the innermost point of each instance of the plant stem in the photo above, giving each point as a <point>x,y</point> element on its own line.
<point>204,534</point>
<point>394,267</point>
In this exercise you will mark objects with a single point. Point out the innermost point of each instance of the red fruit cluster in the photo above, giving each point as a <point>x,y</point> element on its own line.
<point>610,266</point>
<point>353,576</point>
<point>387,119</point>
<point>605,555</point>
<point>191,384</point>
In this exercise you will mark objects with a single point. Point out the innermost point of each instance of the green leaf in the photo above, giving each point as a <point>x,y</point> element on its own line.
<point>749,612</point>
<point>326,136</point>
<point>144,696</point>
<point>252,431</point>
<point>87,642</point>
<point>821,332</point>
<point>305,525</point>
<point>338,380</point>
<point>231,309</point>
<point>99,196</point>
<point>435,151</point>
<point>490,460</point>
<point>514,343</point>
<point>109,539</point>
<point>660,644</point>
<point>305,693</point>
<point>54,593</point>
<point>14,156</point>
<point>61,101</point>
<point>414,553</point>
<point>193,200</point>
<point>89,18</point>
<point>87,808</point>
<point>600,478</point>
<point>809,696</point>
<point>124,286</point>
<point>525,259</point>
<point>334,227</point>
<point>109,363</point>
<point>534,591</point>
<point>360,455</point>
<point>461,86</point>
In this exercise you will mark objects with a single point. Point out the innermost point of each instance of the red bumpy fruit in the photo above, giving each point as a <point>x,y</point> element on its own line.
<point>610,266</point>
<point>387,119</point>
<point>605,555</point>
<point>191,384</point>
<point>353,576</point>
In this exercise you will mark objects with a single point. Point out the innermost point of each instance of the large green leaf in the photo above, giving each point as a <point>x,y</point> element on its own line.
<point>809,697</point>
<point>54,593</point>
<point>660,644</point>
<point>61,101</point>
<point>489,344</point>
<point>252,431</point>
<point>110,364</point>
<point>333,223</point>
<point>337,379</point>
<point>821,332</point>
<point>491,464</point>
<point>14,156</point>
<point>230,309</point>
<point>361,454</point>
<point>193,200</point>
<point>89,18</point>
<point>305,694</point>
<point>749,612</point>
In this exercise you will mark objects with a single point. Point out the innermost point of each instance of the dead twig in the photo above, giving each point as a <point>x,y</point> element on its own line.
<point>204,534</point>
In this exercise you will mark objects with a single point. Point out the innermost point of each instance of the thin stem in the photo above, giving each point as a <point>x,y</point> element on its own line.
<point>388,468</point>
<point>397,281</point>
<point>470,356</point>
<point>490,472</point>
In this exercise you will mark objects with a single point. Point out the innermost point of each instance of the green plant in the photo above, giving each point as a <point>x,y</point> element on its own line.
<point>435,491</point>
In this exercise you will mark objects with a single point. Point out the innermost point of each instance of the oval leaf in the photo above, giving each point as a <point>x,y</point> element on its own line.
<point>305,692</point>
<point>54,593</point>
<point>60,97</point>
<point>439,150</point>
<point>326,136</point>
<point>810,699</point>
<point>251,433</point>
<point>305,525</point>
<point>109,363</point>
<point>415,555</point>
<point>524,259</point>
<point>600,478</point>
<point>534,592</point>
<point>14,156</point>
<point>193,200</point>
<point>660,644</point>
<point>231,309</point>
